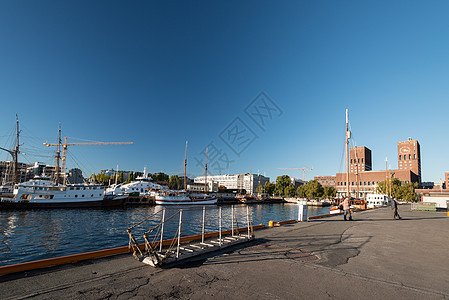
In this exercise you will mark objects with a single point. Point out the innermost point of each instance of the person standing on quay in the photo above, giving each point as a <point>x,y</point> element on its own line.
<point>394,207</point>
<point>346,208</point>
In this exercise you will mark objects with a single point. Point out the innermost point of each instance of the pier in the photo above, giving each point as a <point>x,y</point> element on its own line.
<point>373,257</point>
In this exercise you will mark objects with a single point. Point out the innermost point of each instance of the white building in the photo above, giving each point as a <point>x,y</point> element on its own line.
<point>212,187</point>
<point>245,181</point>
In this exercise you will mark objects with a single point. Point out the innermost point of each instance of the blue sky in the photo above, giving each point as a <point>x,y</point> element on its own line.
<point>160,73</point>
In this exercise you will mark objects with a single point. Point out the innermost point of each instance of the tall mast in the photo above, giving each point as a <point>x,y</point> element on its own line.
<point>356,171</point>
<point>205,173</point>
<point>64,159</point>
<point>58,154</point>
<point>389,181</point>
<point>16,153</point>
<point>116,175</point>
<point>387,190</point>
<point>348,136</point>
<point>185,170</point>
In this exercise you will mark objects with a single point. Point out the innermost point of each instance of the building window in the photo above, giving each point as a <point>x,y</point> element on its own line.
<point>400,157</point>
<point>414,156</point>
<point>409,156</point>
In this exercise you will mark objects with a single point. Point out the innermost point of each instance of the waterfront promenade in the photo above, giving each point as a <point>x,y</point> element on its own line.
<point>372,257</point>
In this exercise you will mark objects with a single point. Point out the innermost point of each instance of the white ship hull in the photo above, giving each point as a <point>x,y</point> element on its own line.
<point>45,194</point>
<point>184,200</point>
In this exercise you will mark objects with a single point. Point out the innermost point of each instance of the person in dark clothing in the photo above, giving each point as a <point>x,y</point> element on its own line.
<point>394,207</point>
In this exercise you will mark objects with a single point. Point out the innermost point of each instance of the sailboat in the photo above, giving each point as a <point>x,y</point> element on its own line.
<point>355,203</point>
<point>43,192</point>
<point>171,197</point>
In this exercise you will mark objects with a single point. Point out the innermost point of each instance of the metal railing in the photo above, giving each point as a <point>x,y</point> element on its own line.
<point>165,236</point>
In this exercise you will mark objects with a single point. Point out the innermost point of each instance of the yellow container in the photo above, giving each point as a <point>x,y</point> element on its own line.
<point>448,213</point>
<point>271,223</point>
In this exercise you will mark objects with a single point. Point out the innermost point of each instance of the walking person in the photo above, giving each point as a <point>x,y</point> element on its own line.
<point>394,207</point>
<point>346,208</point>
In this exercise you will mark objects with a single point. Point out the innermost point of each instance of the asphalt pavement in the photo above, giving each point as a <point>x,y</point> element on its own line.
<point>371,257</point>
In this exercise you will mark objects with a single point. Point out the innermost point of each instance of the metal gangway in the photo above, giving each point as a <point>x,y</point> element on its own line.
<point>165,241</point>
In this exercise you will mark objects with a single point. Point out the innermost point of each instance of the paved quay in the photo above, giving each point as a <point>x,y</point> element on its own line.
<point>372,257</point>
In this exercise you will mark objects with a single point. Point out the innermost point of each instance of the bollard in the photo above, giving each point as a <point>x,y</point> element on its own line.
<point>302,211</point>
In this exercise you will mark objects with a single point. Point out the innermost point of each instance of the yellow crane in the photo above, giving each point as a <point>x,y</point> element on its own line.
<point>64,151</point>
<point>303,171</point>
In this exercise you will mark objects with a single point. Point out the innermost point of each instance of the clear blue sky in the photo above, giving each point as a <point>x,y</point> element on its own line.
<point>160,73</point>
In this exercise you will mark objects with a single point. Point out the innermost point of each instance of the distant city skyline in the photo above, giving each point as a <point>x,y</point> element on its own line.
<point>262,85</point>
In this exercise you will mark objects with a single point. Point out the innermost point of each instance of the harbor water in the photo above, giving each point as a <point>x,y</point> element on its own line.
<point>30,235</point>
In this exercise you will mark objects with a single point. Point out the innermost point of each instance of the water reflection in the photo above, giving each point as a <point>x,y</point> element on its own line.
<point>38,234</point>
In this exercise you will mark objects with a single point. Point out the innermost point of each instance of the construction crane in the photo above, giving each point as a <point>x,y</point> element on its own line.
<point>303,171</point>
<point>64,150</point>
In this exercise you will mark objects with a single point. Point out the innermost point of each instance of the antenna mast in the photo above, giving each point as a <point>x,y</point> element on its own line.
<point>16,153</point>
<point>205,173</point>
<point>348,136</point>
<point>185,170</point>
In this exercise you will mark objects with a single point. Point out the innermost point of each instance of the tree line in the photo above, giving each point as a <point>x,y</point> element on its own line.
<point>104,179</point>
<point>399,190</point>
<point>284,187</point>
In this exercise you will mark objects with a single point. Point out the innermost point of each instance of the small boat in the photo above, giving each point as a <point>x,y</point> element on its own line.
<point>248,199</point>
<point>355,204</point>
<point>169,197</point>
<point>41,192</point>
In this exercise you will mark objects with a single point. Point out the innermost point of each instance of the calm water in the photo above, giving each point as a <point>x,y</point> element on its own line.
<point>39,234</point>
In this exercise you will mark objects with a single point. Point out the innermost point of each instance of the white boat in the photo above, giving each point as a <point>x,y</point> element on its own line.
<point>41,192</point>
<point>376,200</point>
<point>142,186</point>
<point>169,197</point>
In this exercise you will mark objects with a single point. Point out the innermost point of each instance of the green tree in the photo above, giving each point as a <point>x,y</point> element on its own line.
<point>382,188</point>
<point>130,177</point>
<point>402,191</point>
<point>408,191</point>
<point>290,191</point>
<point>314,189</point>
<point>269,188</point>
<point>161,177</point>
<point>329,192</point>
<point>175,182</point>
<point>281,183</point>
<point>301,191</point>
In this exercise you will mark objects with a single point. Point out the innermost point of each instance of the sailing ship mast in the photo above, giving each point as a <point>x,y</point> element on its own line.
<point>205,173</point>
<point>58,155</point>
<point>15,154</point>
<point>185,170</point>
<point>348,136</point>
<point>388,179</point>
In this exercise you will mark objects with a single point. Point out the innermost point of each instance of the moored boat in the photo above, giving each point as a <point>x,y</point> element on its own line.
<point>181,198</point>
<point>41,192</point>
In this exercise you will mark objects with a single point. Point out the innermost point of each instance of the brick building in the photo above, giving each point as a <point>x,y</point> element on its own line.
<point>360,159</point>
<point>326,180</point>
<point>409,169</point>
<point>409,156</point>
